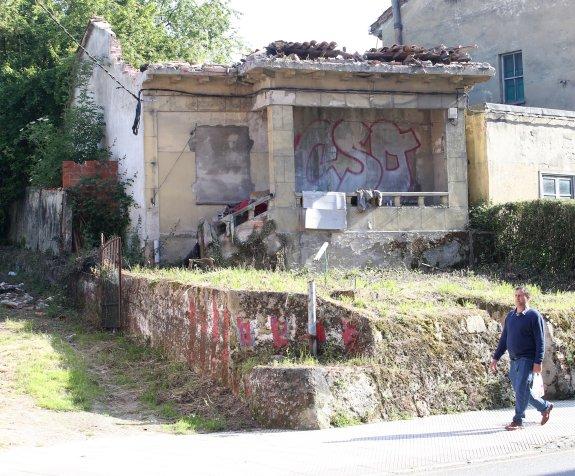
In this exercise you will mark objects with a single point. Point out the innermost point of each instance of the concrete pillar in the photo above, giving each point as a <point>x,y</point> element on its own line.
<point>151,195</point>
<point>456,154</point>
<point>282,167</point>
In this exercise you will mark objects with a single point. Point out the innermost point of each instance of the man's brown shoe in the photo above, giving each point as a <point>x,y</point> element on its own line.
<point>514,426</point>
<point>546,414</point>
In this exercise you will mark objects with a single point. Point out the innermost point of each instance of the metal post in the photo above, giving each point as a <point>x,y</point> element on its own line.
<point>312,317</point>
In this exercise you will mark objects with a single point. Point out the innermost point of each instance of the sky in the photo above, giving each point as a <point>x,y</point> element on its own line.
<point>264,21</point>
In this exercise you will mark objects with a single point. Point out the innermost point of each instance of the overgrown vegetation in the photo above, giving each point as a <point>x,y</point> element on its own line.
<point>60,358</point>
<point>36,61</point>
<point>536,236</point>
<point>100,206</point>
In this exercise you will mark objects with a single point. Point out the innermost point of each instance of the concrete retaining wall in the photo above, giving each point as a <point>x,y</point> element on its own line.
<point>42,221</point>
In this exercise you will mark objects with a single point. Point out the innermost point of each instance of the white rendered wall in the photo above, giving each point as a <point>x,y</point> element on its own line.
<point>119,109</point>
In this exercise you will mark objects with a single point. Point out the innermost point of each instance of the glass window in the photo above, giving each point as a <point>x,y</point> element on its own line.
<point>512,78</point>
<point>565,187</point>
<point>558,186</point>
<point>549,187</point>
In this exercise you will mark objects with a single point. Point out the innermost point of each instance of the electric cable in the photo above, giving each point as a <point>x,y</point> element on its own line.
<point>50,14</point>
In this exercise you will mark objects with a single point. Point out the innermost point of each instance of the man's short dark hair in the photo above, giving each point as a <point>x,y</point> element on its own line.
<point>524,290</point>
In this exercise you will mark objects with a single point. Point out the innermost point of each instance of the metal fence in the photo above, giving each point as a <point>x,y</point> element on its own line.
<point>110,283</point>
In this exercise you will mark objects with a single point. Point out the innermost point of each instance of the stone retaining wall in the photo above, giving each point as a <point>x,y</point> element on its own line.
<point>405,368</point>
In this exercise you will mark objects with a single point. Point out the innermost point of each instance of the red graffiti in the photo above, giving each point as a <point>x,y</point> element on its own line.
<point>215,318</point>
<point>320,332</point>
<point>192,331</point>
<point>226,346</point>
<point>245,332</point>
<point>351,155</point>
<point>349,335</point>
<point>203,315</point>
<point>279,332</point>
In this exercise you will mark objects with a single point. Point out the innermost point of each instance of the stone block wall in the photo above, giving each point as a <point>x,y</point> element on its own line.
<point>214,330</point>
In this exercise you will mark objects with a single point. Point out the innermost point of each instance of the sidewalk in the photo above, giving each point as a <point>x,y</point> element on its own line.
<point>432,443</point>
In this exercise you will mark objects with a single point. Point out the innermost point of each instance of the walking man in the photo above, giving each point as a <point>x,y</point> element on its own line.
<point>523,336</point>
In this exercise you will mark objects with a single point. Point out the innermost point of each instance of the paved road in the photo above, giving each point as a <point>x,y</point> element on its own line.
<point>444,444</point>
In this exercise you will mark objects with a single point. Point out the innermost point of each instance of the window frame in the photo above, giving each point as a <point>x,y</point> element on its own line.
<point>503,78</point>
<point>556,176</point>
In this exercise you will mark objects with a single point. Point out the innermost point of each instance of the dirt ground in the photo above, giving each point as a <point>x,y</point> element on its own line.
<point>138,390</point>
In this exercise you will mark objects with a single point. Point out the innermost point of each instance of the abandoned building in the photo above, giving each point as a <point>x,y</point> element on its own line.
<point>361,153</point>
<point>528,41</point>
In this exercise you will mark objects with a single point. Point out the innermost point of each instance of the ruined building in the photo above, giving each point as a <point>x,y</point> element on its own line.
<point>288,121</point>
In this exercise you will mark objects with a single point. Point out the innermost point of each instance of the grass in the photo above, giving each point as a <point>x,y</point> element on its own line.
<point>48,369</point>
<point>403,289</point>
<point>341,419</point>
<point>194,423</point>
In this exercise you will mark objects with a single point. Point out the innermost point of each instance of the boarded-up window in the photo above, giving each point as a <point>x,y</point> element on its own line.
<point>222,164</point>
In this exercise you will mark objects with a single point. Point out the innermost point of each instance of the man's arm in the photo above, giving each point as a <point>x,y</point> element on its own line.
<point>539,336</point>
<point>502,347</point>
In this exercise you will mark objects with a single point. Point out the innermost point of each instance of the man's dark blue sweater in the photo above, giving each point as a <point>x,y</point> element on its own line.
<point>522,336</point>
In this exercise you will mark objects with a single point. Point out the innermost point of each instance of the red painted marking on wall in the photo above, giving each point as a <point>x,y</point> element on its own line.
<point>349,334</point>
<point>226,346</point>
<point>215,318</point>
<point>279,332</point>
<point>192,330</point>
<point>320,332</point>
<point>245,332</point>
<point>203,334</point>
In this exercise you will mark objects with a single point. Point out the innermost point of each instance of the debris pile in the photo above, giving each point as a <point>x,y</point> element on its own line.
<point>309,50</point>
<point>398,54</point>
<point>13,296</point>
<point>412,54</point>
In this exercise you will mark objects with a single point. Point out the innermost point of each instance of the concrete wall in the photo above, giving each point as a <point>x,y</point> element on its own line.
<point>119,111</point>
<point>345,150</point>
<point>542,30</point>
<point>42,221</point>
<point>509,147</point>
<point>190,178</point>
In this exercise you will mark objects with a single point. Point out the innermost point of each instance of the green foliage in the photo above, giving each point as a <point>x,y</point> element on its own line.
<point>535,235</point>
<point>36,67</point>
<point>100,206</point>
<point>78,139</point>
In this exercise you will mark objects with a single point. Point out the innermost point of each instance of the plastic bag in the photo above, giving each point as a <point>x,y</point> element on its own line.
<point>537,388</point>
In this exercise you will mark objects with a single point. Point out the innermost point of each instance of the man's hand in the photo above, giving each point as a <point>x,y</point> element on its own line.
<point>493,366</point>
<point>536,368</point>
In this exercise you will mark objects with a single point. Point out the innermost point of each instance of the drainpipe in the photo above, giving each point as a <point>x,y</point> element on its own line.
<point>397,24</point>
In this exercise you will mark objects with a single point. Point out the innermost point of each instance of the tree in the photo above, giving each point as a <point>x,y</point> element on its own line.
<point>36,58</point>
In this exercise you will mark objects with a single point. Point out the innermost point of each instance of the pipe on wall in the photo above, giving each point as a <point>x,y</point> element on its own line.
<point>397,23</point>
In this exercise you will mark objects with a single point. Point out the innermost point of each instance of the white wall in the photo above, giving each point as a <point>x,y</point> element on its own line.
<point>119,110</point>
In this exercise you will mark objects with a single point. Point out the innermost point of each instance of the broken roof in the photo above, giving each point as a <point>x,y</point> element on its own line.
<point>325,56</point>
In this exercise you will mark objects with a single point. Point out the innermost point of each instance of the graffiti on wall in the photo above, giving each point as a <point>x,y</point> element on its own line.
<point>346,156</point>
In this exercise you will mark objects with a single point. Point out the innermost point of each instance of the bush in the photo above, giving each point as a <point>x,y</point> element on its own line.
<point>537,235</point>
<point>100,206</point>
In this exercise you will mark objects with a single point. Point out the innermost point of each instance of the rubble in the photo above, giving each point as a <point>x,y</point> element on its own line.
<point>13,296</point>
<point>398,54</point>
